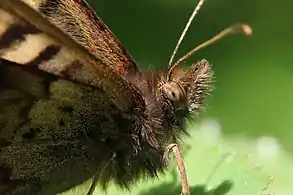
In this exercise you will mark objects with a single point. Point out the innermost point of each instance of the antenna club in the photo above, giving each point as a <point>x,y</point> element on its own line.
<point>247,30</point>
<point>242,28</point>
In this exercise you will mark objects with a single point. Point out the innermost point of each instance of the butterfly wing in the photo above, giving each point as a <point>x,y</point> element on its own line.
<point>28,38</point>
<point>55,98</point>
<point>50,131</point>
<point>78,20</point>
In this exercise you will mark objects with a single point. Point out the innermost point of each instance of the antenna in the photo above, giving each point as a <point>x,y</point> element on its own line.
<point>234,29</point>
<point>195,11</point>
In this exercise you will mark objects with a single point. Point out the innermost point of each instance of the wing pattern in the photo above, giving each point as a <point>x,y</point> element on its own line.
<point>26,37</point>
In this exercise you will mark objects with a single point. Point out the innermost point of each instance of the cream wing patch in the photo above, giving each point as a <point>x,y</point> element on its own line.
<point>28,49</point>
<point>25,44</point>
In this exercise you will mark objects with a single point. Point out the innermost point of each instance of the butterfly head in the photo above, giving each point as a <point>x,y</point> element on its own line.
<point>187,88</point>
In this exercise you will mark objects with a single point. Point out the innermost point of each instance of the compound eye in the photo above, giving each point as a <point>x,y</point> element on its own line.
<point>173,91</point>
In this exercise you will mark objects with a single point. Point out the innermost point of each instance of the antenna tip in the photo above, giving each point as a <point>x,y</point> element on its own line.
<point>240,28</point>
<point>246,29</point>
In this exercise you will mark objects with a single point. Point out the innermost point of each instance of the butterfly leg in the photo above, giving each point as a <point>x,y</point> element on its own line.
<point>180,165</point>
<point>93,184</point>
<point>97,174</point>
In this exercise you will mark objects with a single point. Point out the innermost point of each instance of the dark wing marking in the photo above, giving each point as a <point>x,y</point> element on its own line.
<point>50,131</point>
<point>61,54</point>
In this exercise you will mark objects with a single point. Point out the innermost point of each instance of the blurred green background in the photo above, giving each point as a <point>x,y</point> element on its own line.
<point>254,75</point>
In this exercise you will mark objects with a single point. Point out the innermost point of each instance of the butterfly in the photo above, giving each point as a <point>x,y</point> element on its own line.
<point>74,105</point>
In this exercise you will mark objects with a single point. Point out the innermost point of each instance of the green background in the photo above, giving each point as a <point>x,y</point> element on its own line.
<point>254,75</point>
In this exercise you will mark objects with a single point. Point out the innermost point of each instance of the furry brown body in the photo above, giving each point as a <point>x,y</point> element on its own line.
<point>62,122</point>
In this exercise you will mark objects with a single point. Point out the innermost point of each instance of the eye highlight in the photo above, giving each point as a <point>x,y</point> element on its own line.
<point>173,91</point>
